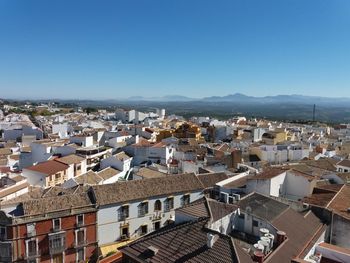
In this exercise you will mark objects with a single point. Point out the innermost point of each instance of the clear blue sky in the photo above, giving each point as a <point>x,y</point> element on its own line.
<point>113,49</point>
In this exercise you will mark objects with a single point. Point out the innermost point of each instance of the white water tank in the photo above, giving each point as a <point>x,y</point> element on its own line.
<point>272,238</point>
<point>266,245</point>
<point>263,232</point>
<point>258,247</point>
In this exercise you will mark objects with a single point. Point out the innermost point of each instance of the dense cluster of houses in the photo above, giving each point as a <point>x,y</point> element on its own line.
<point>130,186</point>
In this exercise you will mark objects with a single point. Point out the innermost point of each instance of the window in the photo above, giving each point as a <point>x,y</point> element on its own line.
<point>80,237</point>
<point>56,224</point>
<point>57,176</point>
<point>185,200</point>
<point>31,230</point>
<point>5,250</point>
<point>157,205</point>
<point>144,230</point>
<point>255,223</point>
<point>31,248</point>
<point>2,232</point>
<point>156,225</point>
<point>123,213</point>
<point>143,209</point>
<point>80,255</point>
<point>80,220</point>
<point>169,204</point>
<point>124,233</point>
<point>57,243</point>
<point>78,167</point>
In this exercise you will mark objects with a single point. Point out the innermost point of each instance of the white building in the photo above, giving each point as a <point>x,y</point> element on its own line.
<point>14,132</point>
<point>343,166</point>
<point>119,161</point>
<point>82,140</point>
<point>278,154</point>
<point>130,209</point>
<point>289,184</point>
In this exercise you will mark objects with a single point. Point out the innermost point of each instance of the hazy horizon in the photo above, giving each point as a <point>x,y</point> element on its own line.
<point>159,97</point>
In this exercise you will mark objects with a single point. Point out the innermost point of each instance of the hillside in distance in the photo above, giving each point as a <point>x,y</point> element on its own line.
<point>241,98</point>
<point>280,107</point>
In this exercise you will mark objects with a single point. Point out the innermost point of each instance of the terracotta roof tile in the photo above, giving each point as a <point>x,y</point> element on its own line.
<point>142,189</point>
<point>184,243</point>
<point>48,167</point>
<point>341,202</point>
<point>211,179</point>
<point>71,159</point>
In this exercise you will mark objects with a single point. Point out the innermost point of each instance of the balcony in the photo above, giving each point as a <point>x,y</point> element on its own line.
<point>157,215</point>
<point>79,224</point>
<point>80,243</point>
<point>4,258</point>
<point>6,250</point>
<point>123,215</point>
<point>57,243</point>
<point>33,254</point>
<point>125,237</point>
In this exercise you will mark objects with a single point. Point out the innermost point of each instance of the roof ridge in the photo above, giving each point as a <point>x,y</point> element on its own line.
<point>209,209</point>
<point>168,229</point>
<point>335,196</point>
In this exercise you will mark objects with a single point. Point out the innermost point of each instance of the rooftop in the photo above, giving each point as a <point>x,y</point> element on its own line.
<point>345,162</point>
<point>71,159</point>
<point>108,173</point>
<point>142,189</point>
<point>341,202</point>
<point>211,179</point>
<point>146,172</point>
<point>262,206</point>
<point>209,208</point>
<point>48,167</point>
<point>301,230</point>
<point>184,243</point>
<point>268,173</point>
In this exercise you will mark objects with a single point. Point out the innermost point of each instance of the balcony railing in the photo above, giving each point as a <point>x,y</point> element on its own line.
<point>123,216</point>
<point>31,233</point>
<point>125,237</point>
<point>5,255</point>
<point>57,243</point>
<point>33,254</point>
<point>157,215</point>
<point>4,258</point>
<point>79,224</point>
<point>80,243</point>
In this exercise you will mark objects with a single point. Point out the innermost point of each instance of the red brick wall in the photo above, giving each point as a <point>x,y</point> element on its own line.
<point>44,227</point>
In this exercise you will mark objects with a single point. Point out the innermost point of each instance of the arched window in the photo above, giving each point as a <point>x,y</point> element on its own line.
<point>157,205</point>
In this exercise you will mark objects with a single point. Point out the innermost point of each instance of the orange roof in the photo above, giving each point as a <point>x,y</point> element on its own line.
<point>341,202</point>
<point>142,143</point>
<point>48,167</point>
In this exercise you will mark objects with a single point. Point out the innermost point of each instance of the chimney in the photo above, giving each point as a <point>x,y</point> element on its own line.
<point>258,256</point>
<point>210,240</point>
<point>281,236</point>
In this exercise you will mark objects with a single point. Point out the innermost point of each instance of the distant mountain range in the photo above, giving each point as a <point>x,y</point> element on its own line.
<point>244,99</point>
<point>164,98</point>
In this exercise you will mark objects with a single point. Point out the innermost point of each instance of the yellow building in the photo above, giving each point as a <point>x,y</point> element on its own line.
<point>185,130</point>
<point>273,137</point>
